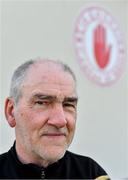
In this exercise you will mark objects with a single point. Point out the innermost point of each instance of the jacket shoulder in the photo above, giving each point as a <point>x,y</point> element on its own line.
<point>3,157</point>
<point>3,163</point>
<point>80,158</point>
<point>84,163</point>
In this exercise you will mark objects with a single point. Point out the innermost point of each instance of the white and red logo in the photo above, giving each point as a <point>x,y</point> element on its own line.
<point>99,46</point>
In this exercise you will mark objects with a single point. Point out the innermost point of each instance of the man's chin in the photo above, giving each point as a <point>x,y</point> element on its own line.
<point>53,155</point>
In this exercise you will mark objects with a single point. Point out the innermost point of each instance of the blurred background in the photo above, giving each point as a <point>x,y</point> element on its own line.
<point>44,28</point>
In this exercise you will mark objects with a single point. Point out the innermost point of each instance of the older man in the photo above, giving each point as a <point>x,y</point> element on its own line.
<point>43,107</point>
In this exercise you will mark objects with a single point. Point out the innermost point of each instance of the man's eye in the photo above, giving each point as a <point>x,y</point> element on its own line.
<point>42,102</point>
<point>69,105</point>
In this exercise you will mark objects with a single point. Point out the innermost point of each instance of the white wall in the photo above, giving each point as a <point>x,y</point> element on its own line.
<point>44,29</point>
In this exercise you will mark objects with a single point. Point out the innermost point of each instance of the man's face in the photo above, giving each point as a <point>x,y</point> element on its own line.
<point>46,113</point>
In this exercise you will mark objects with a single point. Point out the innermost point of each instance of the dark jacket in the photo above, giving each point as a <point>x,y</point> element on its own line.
<point>71,166</point>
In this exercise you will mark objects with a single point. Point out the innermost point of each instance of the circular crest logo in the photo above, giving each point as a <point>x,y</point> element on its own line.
<point>99,46</point>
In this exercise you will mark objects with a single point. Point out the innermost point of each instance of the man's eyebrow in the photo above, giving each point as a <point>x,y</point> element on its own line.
<point>71,99</point>
<point>42,96</point>
<point>50,97</point>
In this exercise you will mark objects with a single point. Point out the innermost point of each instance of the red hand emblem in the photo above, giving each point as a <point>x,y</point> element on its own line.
<point>101,49</point>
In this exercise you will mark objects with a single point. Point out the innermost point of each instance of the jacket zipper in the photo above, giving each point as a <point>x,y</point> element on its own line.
<point>42,174</point>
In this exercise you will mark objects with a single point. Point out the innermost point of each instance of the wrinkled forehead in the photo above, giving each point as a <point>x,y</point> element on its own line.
<point>49,75</point>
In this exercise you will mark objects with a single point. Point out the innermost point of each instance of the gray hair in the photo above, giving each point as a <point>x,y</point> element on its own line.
<point>20,74</point>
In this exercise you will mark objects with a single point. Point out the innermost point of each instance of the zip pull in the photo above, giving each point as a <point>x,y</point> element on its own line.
<point>42,174</point>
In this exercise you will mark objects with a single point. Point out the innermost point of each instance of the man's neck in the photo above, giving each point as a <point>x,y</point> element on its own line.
<point>27,158</point>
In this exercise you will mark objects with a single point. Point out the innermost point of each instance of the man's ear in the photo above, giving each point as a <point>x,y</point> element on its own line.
<point>9,111</point>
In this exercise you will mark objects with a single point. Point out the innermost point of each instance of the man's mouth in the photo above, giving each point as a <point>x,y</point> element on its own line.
<point>54,134</point>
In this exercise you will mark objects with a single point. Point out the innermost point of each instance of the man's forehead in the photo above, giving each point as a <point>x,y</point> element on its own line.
<point>38,89</point>
<point>46,67</point>
<point>52,81</point>
<point>52,90</point>
<point>50,77</point>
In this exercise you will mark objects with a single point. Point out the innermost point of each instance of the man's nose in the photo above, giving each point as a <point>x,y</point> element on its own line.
<point>57,116</point>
